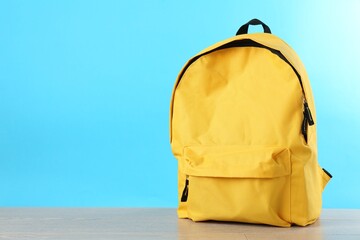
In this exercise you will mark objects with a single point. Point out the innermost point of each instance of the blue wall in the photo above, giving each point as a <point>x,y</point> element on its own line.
<point>85,88</point>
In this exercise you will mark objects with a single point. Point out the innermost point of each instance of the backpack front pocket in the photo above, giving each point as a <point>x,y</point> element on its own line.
<point>235,183</point>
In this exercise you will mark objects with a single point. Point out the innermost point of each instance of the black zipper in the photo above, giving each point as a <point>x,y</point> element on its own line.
<point>308,119</point>
<point>244,43</point>
<point>307,113</point>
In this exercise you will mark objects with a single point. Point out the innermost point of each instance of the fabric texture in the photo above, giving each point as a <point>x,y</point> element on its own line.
<point>240,131</point>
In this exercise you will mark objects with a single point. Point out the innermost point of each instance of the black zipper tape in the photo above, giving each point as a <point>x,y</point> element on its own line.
<point>244,43</point>
<point>251,43</point>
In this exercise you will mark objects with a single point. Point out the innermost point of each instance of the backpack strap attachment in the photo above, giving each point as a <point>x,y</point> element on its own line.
<point>244,28</point>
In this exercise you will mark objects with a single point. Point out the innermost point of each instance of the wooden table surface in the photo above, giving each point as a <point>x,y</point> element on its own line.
<point>160,223</point>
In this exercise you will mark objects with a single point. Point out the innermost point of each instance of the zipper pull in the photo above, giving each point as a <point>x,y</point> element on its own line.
<point>304,127</point>
<point>185,192</point>
<point>307,113</point>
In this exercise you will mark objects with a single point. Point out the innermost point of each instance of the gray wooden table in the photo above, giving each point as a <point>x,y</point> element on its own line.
<point>159,223</point>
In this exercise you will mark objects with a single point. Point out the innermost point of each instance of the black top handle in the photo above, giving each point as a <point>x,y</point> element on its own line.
<point>244,28</point>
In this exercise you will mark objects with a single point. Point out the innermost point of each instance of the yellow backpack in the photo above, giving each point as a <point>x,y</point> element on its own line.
<point>242,127</point>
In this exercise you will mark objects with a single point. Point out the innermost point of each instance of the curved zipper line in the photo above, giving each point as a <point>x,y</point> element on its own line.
<point>240,43</point>
<point>244,43</point>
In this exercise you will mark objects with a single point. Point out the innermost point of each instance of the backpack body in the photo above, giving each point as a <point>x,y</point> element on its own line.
<point>243,129</point>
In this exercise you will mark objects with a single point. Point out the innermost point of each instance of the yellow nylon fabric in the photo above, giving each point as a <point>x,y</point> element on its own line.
<point>235,129</point>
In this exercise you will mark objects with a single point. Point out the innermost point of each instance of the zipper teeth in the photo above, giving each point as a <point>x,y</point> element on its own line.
<point>238,43</point>
<point>246,43</point>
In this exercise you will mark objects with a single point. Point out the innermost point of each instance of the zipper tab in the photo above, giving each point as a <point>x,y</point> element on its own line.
<point>185,193</point>
<point>307,113</point>
<point>304,127</point>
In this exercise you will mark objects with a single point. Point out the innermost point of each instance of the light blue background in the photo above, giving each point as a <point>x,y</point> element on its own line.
<point>85,89</point>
